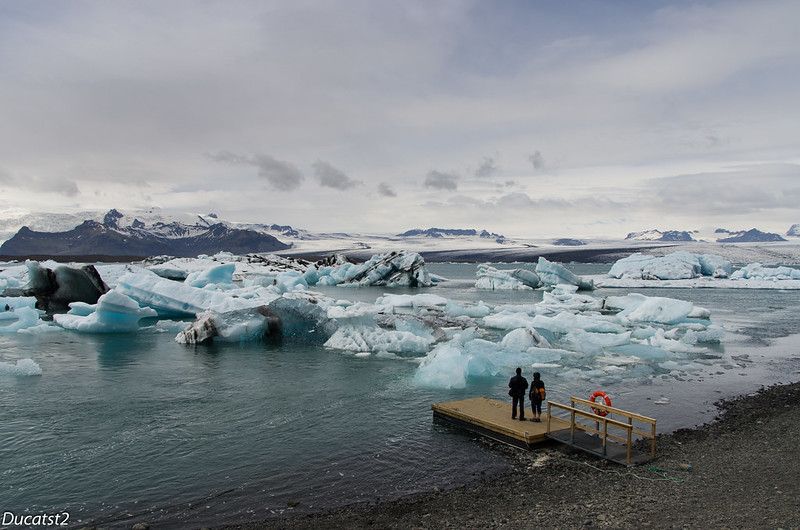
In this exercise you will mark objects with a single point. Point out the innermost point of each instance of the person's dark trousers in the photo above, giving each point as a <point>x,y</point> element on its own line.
<point>515,402</point>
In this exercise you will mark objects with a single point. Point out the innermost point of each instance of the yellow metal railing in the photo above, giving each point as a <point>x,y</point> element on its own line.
<point>603,423</point>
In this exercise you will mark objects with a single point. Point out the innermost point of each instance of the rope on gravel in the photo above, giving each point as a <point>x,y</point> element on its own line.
<point>654,469</point>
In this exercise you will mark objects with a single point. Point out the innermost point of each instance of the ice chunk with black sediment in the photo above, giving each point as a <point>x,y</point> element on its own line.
<point>393,269</point>
<point>297,318</point>
<point>56,288</point>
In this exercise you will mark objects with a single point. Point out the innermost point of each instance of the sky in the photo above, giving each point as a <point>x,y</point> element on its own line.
<point>525,118</point>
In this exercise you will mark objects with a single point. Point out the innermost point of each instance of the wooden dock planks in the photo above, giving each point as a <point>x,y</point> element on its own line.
<point>492,418</point>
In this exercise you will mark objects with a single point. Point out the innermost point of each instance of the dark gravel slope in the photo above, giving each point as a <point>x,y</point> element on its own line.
<point>745,473</point>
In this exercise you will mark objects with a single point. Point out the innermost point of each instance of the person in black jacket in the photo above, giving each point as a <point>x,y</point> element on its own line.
<point>537,396</point>
<point>518,386</point>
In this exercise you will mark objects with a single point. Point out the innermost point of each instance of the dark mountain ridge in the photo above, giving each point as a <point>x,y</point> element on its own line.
<point>109,239</point>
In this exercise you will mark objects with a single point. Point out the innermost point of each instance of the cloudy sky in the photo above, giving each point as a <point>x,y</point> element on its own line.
<point>526,118</point>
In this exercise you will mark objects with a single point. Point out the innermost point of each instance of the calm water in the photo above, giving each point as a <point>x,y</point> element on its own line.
<point>135,427</point>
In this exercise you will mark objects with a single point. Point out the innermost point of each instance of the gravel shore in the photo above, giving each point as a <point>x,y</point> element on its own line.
<point>745,473</point>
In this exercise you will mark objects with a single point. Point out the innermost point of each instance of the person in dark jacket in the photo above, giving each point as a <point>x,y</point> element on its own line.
<point>518,386</point>
<point>537,396</point>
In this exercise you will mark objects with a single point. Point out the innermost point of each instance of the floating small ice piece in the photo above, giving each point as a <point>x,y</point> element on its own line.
<point>23,367</point>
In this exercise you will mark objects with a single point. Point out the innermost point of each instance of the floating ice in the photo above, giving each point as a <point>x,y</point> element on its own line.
<point>299,318</point>
<point>114,313</point>
<point>55,288</point>
<point>553,274</point>
<point>171,298</point>
<point>522,339</point>
<point>365,338</point>
<point>676,266</point>
<point>23,367</point>
<point>566,322</point>
<point>638,308</point>
<point>508,319</point>
<point>393,269</point>
<point>760,272</point>
<point>492,278</point>
<point>219,275</point>
<point>455,309</point>
<point>21,314</point>
<point>414,301</point>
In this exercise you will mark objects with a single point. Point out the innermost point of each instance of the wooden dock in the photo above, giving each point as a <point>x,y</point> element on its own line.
<point>610,436</point>
<point>492,418</point>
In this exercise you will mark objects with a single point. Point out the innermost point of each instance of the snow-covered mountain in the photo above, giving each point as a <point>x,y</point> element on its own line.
<point>747,236</point>
<point>153,232</point>
<point>658,235</point>
<point>140,236</point>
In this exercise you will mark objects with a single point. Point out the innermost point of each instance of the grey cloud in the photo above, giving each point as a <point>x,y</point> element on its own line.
<point>487,168</point>
<point>283,176</point>
<point>63,187</point>
<point>386,190</point>
<point>441,181</point>
<point>331,177</point>
<point>60,186</point>
<point>537,161</point>
<point>746,190</point>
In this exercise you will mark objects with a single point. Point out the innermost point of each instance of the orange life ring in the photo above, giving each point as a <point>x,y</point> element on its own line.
<point>603,395</point>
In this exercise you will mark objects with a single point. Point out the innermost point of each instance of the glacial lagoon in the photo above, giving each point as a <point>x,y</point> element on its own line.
<point>122,428</point>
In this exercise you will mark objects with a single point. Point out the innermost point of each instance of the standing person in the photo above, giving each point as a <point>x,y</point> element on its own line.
<point>518,385</point>
<point>537,396</point>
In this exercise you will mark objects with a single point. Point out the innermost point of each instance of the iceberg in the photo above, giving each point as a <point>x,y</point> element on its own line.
<point>114,313</point>
<point>218,275</point>
<point>295,317</point>
<point>56,288</point>
<point>523,339</point>
<point>411,301</point>
<point>491,278</point>
<point>393,269</point>
<point>760,272</point>
<point>714,266</point>
<point>553,274</point>
<point>679,265</point>
<point>173,299</point>
<point>639,308</point>
<point>20,315</point>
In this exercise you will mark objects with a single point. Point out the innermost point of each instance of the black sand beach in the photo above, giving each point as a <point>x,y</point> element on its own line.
<point>745,473</point>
